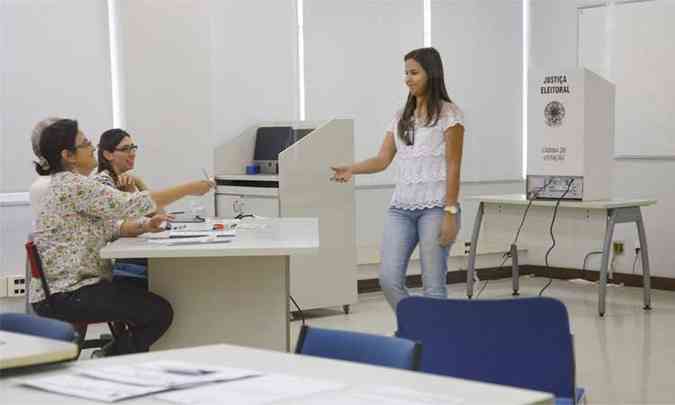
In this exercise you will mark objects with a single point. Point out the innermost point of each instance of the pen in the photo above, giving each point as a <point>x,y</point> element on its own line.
<point>188,371</point>
<point>206,174</point>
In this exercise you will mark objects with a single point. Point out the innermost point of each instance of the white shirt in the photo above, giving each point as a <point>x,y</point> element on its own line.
<point>421,167</point>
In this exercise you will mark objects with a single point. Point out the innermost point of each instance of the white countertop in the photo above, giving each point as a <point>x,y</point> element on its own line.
<point>352,374</point>
<point>270,237</point>
<point>519,199</point>
<point>248,177</point>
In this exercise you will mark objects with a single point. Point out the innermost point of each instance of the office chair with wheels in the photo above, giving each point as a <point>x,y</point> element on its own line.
<point>116,326</point>
<point>378,350</point>
<point>519,342</point>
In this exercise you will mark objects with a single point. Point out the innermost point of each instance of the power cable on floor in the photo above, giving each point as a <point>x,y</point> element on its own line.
<point>302,315</point>
<point>550,249</point>
<point>583,268</point>
<point>506,257</point>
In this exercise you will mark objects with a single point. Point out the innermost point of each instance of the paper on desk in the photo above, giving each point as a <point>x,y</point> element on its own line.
<point>90,388</point>
<point>390,395</point>
<point>251,391</point>
<point>167,374</point>
<point>188,234</point>
<point>190,241</point>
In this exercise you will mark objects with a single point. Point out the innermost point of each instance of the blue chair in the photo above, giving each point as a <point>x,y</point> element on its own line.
<point>38,326</point>
<point>378,350</point>
<point>518,342</point>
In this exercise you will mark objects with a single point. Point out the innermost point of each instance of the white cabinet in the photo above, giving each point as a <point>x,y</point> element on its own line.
<point>230,205</point>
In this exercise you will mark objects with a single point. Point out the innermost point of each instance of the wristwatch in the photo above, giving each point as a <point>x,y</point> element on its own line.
<point>451,209</point>
<point>141,222</point>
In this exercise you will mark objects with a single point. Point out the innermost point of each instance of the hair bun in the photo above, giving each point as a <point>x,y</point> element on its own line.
<point>44,165</point>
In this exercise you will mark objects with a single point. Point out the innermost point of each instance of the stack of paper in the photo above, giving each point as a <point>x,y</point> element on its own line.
<point>115,383</point>
<point>172,234</point>
<point>173,237</point>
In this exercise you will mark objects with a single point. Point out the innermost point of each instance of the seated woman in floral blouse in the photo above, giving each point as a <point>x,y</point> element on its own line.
<point>76,220</point>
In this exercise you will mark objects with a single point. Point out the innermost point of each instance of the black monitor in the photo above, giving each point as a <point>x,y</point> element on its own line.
<point>302,132</point>
<point>270,141</point>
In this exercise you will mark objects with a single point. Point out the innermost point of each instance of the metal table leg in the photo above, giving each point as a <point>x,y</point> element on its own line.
<point>471,267</point>
<point>514,270</point>
<point>646,286</point>
<point>619,216</point>
<point>602,284</point>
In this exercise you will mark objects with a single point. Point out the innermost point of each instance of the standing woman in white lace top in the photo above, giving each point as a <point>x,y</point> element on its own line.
<point>427,139</point>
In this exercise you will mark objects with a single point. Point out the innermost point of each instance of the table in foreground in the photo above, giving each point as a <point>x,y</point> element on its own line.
<point>354,375</point>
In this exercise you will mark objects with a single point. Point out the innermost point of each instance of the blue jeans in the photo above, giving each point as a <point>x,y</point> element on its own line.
<point>403,230</point>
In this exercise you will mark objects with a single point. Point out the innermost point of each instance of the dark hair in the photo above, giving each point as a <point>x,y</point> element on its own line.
<point>56,138</point>
<point>430,60</point>
<point>109,141</point>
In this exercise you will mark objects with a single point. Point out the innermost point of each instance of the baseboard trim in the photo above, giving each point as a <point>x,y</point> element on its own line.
<point>496,273</point>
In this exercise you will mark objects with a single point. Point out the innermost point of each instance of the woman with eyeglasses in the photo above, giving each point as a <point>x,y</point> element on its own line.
<point>116,158</point>
<point>77,218</point>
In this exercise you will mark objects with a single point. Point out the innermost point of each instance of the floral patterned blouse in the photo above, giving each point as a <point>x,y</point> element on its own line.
<point>105,178</point>
<point>76,220</point>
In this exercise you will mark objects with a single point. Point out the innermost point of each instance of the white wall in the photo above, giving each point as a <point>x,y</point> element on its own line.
<point>482,47</point>
<point>165,50</point>
<point>15,223</point>
<point>552,33</point>
<point>354,65</point>
<point>54,61</point>
<point>254,65</point>
<point>639,58</point>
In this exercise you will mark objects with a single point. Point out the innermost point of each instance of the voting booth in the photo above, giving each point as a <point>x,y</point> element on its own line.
<point>570,145</point>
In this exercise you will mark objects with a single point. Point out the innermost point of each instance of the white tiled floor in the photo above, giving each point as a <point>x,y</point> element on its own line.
<point>626,358</point>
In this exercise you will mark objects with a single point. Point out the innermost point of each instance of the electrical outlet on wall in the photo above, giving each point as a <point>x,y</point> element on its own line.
<point>3,287</point>
<point>467,247</point>
<point>16,286</point>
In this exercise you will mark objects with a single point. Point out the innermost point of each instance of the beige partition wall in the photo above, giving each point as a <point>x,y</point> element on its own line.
<point>305,190</point>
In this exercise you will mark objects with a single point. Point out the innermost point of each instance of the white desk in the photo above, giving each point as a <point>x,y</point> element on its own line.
<point>617,211</point>
<point>352,374</point>
<point>233,292</point>
<point>18,350</point>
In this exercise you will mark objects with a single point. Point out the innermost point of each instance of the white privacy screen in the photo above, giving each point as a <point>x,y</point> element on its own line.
<point>632,46</point>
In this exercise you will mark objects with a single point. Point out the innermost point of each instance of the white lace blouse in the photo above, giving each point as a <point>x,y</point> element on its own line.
<point>421,167</point>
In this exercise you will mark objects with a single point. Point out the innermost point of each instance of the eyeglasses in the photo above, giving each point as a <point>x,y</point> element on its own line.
<point>127,148</point>
<point>85,144</point>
